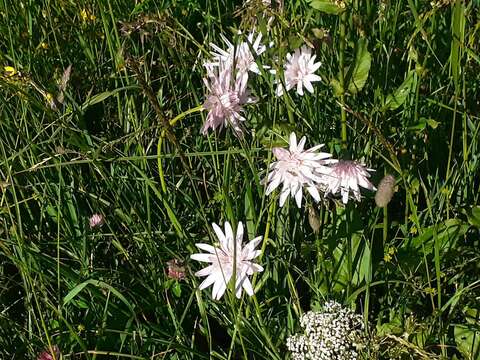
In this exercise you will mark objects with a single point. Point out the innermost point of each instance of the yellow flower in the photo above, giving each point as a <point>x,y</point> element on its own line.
<point>430,291</point>
<point>87,16</point>
<point>84,15</point>
<point>44,45</point>
<point>50,101</point>
<point>389,254</point>
<point>413,230</point>
<point>9,71</point>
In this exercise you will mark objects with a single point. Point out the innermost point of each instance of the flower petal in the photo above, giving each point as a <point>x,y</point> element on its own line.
<point>203,257</point>
<point>206,247</point>
<point>208,281</point>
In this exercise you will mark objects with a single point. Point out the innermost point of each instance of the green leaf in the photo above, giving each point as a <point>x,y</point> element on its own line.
<point>473,216</point>
<point>448,234</point>
<point>357,77</point>
<point>327,6</point>
<point>98,98</point>
<point>395,100</point>
<point>394,326</point>
<point>468,341</point>
<point>337,89</point>
<point>177,289</point>
<point>422,124</point>
<point>97,283</point>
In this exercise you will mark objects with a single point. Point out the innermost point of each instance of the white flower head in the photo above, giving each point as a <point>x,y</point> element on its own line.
<point>297,169</point>
<point>239,57</point>
<point>335,332</point>
<point>224,259</point>
<point>346,176</point>
<point>225,99</point>
<point>299,71</point>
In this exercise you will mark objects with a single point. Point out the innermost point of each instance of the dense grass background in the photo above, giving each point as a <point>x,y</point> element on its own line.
<point>412,270</point>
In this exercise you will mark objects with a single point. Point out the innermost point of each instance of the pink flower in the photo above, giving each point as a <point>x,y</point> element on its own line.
<point>297,169</point>
<point>240,55</point>
<point>54,354</point>
<point>299,71</point>
<point>96,220</point>
<point>346,176</point>
<point>225,100</point>
<point>231,258</point>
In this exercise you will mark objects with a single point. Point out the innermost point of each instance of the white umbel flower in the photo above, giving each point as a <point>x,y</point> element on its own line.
<point>240,56</point>
<point>333,333</point>
<point>225,99</point>
<point>224,259</point>
<point>299,71</point>
<point>347,176</point>
<point>296,169</point>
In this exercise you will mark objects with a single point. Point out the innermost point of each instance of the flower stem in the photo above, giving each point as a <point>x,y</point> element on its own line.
<point>341,60</point>
<point>160,140</point>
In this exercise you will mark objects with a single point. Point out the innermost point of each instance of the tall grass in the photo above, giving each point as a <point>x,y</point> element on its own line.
<point>126,143</point>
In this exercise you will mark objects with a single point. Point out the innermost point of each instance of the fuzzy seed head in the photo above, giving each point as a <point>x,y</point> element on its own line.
<point>385,191</point>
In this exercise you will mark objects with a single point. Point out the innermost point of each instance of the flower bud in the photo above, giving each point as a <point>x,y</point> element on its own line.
<point>96,220</point>
<point>313,220</point>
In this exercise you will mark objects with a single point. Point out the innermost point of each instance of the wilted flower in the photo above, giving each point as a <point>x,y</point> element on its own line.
<point>225,99</point>
<point>53,354</point>
<point>299,71</point>
<point>176,270</point>
<point>297,169</point>
<point>334,333</point>
<point>239,58</point>
<point>385,191</point>
<point>346,176</point>
<point>96,220</point>
<point>224,259</point>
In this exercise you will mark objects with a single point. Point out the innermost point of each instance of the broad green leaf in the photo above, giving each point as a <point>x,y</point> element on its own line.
<point>327,6</point>
<point>358,75</point>
<point>468,341</point>
<point>177,289</point>
<point>447,235</point>
<point>398,97</point>
<point>471,315</point>
<point>474,216</point>
<point>394,326</point>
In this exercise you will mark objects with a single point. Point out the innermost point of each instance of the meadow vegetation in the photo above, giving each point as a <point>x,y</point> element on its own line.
<point>101,113</point>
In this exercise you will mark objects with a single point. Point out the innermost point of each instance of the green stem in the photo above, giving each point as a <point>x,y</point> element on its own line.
<point>160,140</point>
<point>385,225</point>
<point>349,244</point>
<point>341,59</point>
